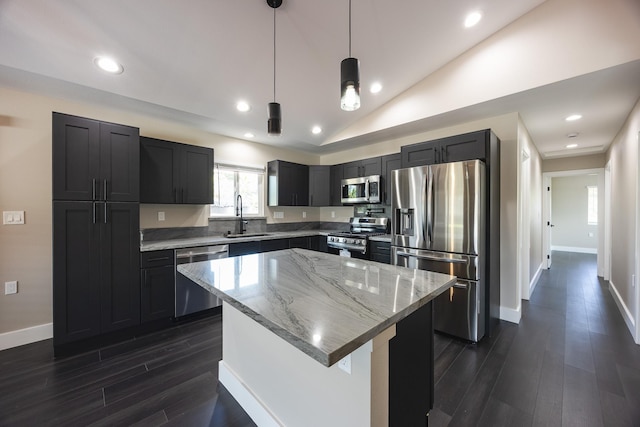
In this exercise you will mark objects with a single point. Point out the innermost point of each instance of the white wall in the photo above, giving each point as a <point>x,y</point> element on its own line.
<point>623,158</point>
<point>571,232</point>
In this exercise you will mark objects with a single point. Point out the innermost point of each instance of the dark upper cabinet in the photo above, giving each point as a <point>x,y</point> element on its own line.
<point>390,163</point>
<point>287,184</point>
<point>336,190</point>
<point>174,173</point>
<point>457,148</point>
<point>94,160</point>
<point>319,185</point>
<point>157,298</point>
<point>365,167</point>
<point>96,268</point>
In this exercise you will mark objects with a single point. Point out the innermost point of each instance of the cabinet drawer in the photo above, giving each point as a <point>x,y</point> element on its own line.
<point>156,258</point>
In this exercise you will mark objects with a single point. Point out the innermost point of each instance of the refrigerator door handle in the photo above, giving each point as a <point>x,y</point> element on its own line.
<point>432,257</point>
<point>430,209</point>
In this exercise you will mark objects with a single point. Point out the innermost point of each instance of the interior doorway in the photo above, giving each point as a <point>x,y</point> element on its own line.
<point>548,221</point>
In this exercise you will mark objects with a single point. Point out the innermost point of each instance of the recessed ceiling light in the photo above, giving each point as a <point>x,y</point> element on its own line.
<point>243,106</point>
<point>573,117</point>
<point>572,145</point>
<point>316,130</point>
<point>249,135</point>
<point>109,65</point>
<point>375,87</point>
<point>472,19</point>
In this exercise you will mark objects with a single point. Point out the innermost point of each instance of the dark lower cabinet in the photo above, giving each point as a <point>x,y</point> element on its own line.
<point>380,251</point>
<point>157,285</point>
<point>316,243</point>
<point>96,269</point>
<point>411,370</point>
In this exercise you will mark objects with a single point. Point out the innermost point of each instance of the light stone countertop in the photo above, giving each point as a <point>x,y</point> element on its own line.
<point>157,245</point>
<point>325,305</point>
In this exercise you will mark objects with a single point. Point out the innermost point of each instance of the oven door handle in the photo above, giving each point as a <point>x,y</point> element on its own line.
<point>432,257</point>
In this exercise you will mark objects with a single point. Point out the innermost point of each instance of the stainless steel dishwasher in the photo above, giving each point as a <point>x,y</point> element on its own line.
<point>191,297</point>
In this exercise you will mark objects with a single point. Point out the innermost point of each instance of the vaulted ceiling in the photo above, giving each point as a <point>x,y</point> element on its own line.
<point>193,61</point>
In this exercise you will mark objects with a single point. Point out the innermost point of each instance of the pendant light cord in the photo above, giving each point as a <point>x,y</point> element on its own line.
<point>274,54</point>
<point>349,28</point>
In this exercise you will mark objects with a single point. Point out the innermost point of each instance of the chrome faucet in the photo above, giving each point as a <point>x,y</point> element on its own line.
<point>239,213</point>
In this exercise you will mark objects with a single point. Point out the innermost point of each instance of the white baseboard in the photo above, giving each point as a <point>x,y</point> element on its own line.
<point>511,315</point>
<point>534,281</point>
<point>624,310</point>
<point>574,249</point>
<point>258,412</point>
<point>26,336</point>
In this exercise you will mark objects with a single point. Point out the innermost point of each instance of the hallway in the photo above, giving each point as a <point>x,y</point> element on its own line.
<point>571,361</point>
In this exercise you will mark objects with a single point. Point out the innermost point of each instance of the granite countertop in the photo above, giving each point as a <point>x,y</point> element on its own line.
<point>156,245</point>
<point>325,305</point>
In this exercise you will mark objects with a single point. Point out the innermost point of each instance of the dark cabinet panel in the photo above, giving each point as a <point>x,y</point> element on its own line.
<point>390,163</point>
<point>456,148</point>
<point>76,271</point>
<point>336,190</point>
<point>120,162</point>
<point>159,171</point>
<point>174,173</point>
<point>299,242</point>
<point>244,248</point>
<point>273,245</point>
<point>288,184</point>
<point>319,185</point>
<point>94,160</point>
<point>96,267</point>
<point>197,175</point>
<point>365,167</point>
<point>157,295</point>
<point>120,266</point>
<point>380,252</point>
<point>318,243</point>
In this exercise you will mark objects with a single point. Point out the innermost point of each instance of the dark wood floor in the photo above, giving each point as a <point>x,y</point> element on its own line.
<point>571,361</point>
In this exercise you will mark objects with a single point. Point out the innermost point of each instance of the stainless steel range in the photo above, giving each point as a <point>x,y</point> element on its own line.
<point>356,241</point>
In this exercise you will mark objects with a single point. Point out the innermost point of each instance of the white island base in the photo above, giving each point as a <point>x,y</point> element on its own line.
<point>279,385</point>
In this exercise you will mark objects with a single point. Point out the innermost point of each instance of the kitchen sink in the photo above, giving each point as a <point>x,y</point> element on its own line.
<point>234,236</point>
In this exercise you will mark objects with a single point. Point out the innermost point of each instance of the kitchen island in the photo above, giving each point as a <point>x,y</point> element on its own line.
<point>315,339</point>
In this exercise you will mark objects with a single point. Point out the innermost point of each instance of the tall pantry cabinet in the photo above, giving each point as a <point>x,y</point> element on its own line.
<point>96,223</point>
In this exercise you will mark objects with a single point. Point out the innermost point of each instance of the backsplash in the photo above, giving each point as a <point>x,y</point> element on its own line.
<point>218,227</point>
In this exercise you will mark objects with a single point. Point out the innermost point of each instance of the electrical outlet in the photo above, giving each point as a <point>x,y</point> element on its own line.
<point>333,214</point>
<point>11,287</point>
<point>345,364</point>
<point>278,215</point>
<point>160,216</point>
<point>304,214</point>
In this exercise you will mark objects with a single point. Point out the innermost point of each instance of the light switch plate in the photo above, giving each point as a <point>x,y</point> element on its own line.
<point>11,287</point>
<point>13,217</point>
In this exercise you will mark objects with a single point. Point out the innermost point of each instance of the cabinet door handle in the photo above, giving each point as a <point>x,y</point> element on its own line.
<point>93,191</point>
<point>94,211</point>
<point>444,154</point>
<point>105,213</point>
<point>104,188</point>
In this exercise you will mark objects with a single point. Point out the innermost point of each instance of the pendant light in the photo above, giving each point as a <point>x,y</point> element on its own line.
<point>350,78</point>
<point>274,123</point>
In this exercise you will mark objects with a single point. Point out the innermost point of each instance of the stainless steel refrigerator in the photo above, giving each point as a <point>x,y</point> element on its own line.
<point>438,224</point>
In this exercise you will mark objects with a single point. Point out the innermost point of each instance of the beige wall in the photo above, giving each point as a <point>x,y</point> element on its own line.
<point>25,184</point>
<point>623,161</point>
<point>569,212</point>
<point>594,161</point>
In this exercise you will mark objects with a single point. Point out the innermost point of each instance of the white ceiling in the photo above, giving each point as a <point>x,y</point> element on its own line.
<point>191,61</point>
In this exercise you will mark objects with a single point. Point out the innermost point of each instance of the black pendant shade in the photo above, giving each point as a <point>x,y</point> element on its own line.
<point>274,124</point>
<point>350,84</point>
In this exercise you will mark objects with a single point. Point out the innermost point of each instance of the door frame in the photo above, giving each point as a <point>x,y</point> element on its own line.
<point>546,202</point>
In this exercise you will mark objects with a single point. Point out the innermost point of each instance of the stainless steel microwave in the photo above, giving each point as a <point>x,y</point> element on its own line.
<point>365,189</point>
